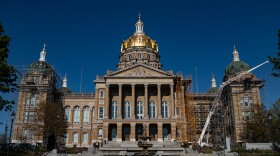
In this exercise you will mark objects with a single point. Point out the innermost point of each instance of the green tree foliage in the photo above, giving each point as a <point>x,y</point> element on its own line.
<point>275,122</point>
<point>256,128</point>
<point>7,72</point>
<point>276,60</point>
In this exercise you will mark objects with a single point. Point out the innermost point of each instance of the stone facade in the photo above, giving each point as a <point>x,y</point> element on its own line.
<point>138,92</point>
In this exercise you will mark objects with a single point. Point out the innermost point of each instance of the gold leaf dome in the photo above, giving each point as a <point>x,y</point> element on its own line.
<point>139,39</point>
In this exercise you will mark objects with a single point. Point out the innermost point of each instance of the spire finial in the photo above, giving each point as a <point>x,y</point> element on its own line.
<point>139,15</point>
<point>139,25</point>
<point>65,81</point>
<point>214,85</point>
<point>235,54</point>
<point>43,54</point>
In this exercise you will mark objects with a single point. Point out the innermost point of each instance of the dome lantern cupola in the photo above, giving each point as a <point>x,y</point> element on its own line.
<point>139,25</point>
<point>213,82</point>
<point>43,54</point>
<point>235,54</point>
<point>64,81</point>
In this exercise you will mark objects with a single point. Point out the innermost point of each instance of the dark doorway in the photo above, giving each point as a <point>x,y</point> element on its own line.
<point>112,132</point>
<point>51,142</point>
<point>125,132</point>
<point>166,131</point>
<point>139,131</point>
<point>153,131</point>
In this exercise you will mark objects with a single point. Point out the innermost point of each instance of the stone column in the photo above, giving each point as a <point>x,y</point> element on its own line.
<point>159,101</point>
<point>95,117</point>
<point>119,132</point>
<point>133,101</point>
<point>160,139</point>
<point>132,132</point>
<point>106,108</point>
<point>172,100</point>
<point>120,102</point>
<point>173,131</point>
<point>146,105</point>
<point>94,132</point>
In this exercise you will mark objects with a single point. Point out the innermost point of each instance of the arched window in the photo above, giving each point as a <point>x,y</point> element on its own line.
<point>75,137</point>
<point>68,114</point>
<point>164,109</point>
<point>152,109</point>
<point>77,114</point>
<point>100,133</point>
<point>101,112</point>
<point>86,114</point>
<point>127,107</point>
<point>114,109</point>
<point>101,95</point>
<point>85,137</point>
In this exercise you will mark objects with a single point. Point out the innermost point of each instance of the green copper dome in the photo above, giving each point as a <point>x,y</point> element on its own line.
<point>236,67</point>
<point>41,66</point>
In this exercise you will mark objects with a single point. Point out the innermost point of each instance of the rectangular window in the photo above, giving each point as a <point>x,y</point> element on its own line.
<point>126,109</point>
<point>164,109</point>
<point>114,109</point>
<point>101,113</point>
<point>152,109</point>
<point>85,137</point>
<point>66,138</point>
<point>75,138</point>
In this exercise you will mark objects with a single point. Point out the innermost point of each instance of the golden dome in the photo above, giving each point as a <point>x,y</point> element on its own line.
<point>139,40</point>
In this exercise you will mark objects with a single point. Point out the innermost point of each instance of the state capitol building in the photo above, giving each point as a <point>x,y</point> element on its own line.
<point>138,92</point>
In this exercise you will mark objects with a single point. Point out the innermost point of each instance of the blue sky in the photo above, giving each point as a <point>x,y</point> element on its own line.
<point>190,34</point>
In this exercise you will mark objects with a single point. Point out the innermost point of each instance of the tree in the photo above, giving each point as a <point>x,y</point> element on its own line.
<point>255,128</point>
<point>48,123</point>
<point>275,121</point>
<point>7,72</point>
<point>276,60</point>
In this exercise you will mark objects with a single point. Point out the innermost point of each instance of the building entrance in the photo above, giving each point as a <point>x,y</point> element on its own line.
<point>153,131</point>
<point>166,131</point>
<point>126,132</point>
<point>112,132</point>
<point>139,131</point>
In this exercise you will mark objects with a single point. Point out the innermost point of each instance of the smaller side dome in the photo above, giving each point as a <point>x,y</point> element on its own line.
<point>236,67</point>
<point>40,66</point>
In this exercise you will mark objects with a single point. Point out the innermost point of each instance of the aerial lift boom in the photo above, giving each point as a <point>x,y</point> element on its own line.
<point>217,100</point>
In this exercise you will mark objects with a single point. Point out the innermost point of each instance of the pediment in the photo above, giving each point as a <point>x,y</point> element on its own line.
<point>140,71</point>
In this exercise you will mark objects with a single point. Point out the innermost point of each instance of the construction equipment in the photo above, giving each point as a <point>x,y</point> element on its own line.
<point>217,100</point>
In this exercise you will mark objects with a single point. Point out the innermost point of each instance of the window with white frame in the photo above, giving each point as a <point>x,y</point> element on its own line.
<point>86,114</point>
<point>114,109</point>
<point>75,137</point>
<point>67,113</point>
<point>246,101</point>
<point>101,112</point>
<point>127,108</point>
<point>100,133</point>
<point>77,114</point>
<point>85,137</point>
<point>152,109</point>
<point>101,94</point>
<point>32,101</point>
<point>28,136</point>
<point>66,138</point>
<point>139,110</point>
<point>164,109</point>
